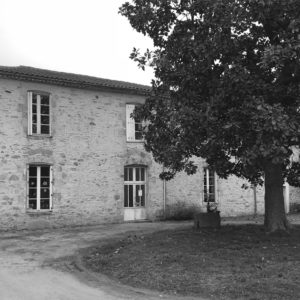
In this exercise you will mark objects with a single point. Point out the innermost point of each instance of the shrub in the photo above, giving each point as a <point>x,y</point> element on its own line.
<point>181,211</point>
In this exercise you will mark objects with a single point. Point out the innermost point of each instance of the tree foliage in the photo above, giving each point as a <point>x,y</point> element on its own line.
<point>227,83</point>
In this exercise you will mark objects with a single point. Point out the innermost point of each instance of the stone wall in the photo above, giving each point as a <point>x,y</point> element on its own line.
<point>294,199</point>
<point>88,151</point>
<point>186,192</point>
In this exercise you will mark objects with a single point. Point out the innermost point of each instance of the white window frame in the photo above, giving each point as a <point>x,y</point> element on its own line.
<point>135,183</point>
<point>38,187</point>
<point>38,113</point>
<point>131,133</point>
<point>206,173</point>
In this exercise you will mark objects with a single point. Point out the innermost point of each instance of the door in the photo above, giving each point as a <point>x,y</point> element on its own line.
<point>134,193</point>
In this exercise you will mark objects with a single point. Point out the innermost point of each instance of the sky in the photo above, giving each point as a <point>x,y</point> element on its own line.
<point>86,37</point>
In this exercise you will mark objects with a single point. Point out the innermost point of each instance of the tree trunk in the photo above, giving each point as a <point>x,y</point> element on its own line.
<point>275,217</point>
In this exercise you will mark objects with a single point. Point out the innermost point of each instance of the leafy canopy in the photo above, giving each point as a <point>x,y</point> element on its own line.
<point>227,83</point>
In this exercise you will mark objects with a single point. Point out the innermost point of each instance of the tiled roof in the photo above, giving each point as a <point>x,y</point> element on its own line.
<point>70,80</point>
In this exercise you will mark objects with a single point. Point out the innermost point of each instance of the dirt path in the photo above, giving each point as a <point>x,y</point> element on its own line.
<point>40,265</point>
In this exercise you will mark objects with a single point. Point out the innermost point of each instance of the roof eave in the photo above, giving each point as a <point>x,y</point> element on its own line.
<point>71,83</point>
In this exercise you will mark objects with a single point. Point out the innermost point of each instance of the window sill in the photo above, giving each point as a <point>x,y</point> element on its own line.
<point>39,212</point>
<point>136,141</point>
<point>39,136</point>
<point>135,207</point>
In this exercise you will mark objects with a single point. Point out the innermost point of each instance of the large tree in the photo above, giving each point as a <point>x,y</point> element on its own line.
<point>227,89</point>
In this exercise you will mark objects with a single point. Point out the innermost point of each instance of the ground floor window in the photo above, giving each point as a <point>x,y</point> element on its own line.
<point>209,185</point>
<point>134,186</point>
<point>39,187</point>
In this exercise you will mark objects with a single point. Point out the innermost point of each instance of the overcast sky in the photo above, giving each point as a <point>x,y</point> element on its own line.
<point>79,36</point>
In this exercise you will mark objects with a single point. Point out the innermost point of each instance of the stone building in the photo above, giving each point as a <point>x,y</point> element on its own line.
<point>70,154</point>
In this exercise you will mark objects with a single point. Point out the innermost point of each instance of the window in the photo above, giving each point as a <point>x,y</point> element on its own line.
<point>39,187</point>
<point>134,186</point>
<point>209,184</point>
<point>133,126</point>
<point>38,113</point>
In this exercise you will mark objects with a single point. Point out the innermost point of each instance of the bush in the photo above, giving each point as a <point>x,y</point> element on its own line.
<point>181,211</point>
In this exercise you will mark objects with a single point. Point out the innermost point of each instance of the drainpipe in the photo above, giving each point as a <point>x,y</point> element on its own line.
<point>255,200</point>
<point>164,196</point>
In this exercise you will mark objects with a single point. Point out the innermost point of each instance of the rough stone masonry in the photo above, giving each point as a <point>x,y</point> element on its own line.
<point>88,150</point>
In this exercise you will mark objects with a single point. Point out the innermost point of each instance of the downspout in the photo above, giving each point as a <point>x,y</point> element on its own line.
<point>255,200</point>
<point>164,196</point>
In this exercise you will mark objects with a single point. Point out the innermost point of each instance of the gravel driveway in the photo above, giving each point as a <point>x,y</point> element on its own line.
<point>41,265</point>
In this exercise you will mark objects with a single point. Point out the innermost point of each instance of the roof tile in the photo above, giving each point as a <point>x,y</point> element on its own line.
<point>71,80</point>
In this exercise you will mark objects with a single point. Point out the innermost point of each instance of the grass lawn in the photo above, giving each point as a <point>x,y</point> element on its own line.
<point>235,262</point>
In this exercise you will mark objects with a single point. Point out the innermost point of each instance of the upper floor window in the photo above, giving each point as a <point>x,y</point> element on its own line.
<point>39,113</point>
<point>133,126</point>
<point>39,187</point>
<point>209,185</point>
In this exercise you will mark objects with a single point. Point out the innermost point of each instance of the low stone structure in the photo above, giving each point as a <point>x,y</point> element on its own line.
<point>207,220</point>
